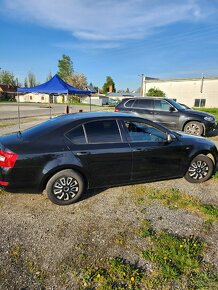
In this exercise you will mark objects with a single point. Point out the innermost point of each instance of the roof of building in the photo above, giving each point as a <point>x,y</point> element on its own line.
<point>8,89</point>
<point>180,80</point>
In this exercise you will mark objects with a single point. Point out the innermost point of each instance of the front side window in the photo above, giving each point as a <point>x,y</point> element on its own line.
<point>142,132</point>
<point>161,105</point>
<point>105,131</point>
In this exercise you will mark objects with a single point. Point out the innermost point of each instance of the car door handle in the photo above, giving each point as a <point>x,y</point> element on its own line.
<point>137,149</point>
<point>82,153</point>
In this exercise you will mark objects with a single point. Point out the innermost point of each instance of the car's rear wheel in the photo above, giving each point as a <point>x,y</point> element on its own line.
<point>200,169</point>
<point>65,187</point>
<point>194,128</point>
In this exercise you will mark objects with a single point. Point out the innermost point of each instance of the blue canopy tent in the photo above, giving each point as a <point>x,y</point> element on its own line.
<point>54,86</point>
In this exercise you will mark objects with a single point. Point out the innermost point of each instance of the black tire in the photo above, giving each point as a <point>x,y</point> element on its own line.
<point>65,187</point>
<point>194,128</point>
<point>201,169</point>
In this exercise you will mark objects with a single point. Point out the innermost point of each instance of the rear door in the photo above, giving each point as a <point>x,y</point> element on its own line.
<point>102,151</point>
<point>143,108</point>
<point>165,114</point>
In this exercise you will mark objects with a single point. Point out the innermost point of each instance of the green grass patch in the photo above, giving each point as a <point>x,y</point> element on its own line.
<point>210,210</point>
<point>174,255</point>
<point>174,199</point>
<point>179,260</point>
<point>117,274</point>
<point>215,176</point>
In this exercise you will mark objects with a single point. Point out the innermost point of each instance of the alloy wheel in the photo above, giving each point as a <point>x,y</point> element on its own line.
<point>65,188</point>
<point>198,170</point>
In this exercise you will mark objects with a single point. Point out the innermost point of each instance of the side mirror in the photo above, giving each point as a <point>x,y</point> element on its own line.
<point>172,109</point>
<point>169,138</point>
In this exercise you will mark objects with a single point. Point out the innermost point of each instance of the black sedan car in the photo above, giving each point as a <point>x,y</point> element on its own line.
<point>71,153</point>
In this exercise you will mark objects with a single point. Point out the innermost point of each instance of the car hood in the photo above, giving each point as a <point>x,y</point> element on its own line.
<point>191,138</point>
<point>199,113</point>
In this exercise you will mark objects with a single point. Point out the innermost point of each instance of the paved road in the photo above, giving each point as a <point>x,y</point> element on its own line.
<point>10,111</point>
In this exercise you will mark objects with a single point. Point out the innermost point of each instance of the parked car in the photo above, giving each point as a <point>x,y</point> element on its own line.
<point>71,153</point>
<point>169,114</point>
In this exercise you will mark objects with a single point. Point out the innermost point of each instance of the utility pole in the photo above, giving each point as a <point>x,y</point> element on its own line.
<point>202,83</point>
<point>142,84</point>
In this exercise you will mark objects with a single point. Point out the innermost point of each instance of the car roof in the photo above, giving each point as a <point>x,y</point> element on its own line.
<point>67,119</point>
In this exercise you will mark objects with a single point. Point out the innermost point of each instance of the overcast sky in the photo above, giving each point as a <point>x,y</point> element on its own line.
<point>123,39</point>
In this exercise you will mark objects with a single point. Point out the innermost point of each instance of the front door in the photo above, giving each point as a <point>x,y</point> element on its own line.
<point>153,157</point>
<point>165,114</point>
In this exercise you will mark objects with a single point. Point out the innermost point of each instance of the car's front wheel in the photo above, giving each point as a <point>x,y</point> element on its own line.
<point>194,128</point>
<point>65,187</point>
<point>200,169</point>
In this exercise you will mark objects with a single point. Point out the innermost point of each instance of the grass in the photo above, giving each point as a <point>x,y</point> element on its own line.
<point>176,262</point>
<point>174,199</point>
<point>116,275</point>
<point>179,261</point>
<point>215,176</point>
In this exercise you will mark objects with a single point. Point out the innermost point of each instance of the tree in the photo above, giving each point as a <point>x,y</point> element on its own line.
<point>49,76</point>
<point>78,81</point>
<point>109,85</point>
<point>65,66</point>
<point>31,79</point>
<point>7,78</point>
<point>127,90</point>
<point>155,92</point>
<point>26,83</point>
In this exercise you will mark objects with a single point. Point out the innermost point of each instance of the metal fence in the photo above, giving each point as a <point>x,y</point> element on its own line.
<point>16,115</point>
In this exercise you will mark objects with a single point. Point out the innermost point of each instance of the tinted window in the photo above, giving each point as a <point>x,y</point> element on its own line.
<point>161,105</point>
<point>103,132</point>
<point>143,104</point>
<point>142,132</point>
<point>197,103</point>
<point>76,135</point>
<point>129,103</point>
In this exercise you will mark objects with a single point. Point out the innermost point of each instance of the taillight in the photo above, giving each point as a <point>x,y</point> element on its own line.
<point>4,183</point>
<point>116,110</point>
<point>7,159</point>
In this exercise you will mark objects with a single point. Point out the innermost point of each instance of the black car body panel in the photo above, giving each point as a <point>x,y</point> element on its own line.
<point>48,148</point>
<point>165,112</point>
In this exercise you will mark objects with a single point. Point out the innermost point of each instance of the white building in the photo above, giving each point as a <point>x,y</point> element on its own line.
<point>194,92</point>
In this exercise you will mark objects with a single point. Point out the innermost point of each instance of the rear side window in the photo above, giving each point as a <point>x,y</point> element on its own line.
<point>143,104</point>
<point>106,131</point>
<point>76,135</point>
<point>129,103</point>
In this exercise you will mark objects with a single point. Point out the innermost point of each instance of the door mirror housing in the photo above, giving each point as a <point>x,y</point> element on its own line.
<point>172,109</point>
<point>169,138</point>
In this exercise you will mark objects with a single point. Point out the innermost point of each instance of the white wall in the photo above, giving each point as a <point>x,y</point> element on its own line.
<point>186,91</point>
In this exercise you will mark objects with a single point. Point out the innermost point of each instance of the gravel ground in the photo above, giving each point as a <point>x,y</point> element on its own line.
<point>42,244</point>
